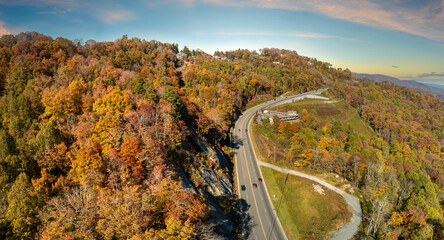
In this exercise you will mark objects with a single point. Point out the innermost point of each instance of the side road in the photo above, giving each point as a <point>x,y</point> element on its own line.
<point>349,229</point>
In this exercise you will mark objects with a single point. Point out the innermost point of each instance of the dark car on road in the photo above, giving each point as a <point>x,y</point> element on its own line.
<point>260,179</point>
<point>254,185</point>
<point>243,187</point>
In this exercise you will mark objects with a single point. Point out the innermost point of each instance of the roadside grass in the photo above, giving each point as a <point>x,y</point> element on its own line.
<point>304,212</point>
<point>298,104</point>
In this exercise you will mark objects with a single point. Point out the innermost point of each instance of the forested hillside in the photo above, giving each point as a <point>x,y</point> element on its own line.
<point>397,166</point>
<point>97,138</point>
<point>402,170</point>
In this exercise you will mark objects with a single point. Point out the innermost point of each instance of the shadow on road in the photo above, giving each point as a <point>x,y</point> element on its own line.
<point>247,224</point>
<point>237,142</point>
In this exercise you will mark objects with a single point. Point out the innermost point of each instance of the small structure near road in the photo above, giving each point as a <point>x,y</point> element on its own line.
<point>181,56</point>
<point>283,116</point>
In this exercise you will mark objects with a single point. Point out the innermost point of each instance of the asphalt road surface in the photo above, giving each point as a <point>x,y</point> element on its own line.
<point>259,218</point>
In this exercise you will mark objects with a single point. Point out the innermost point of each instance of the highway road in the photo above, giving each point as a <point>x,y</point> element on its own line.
<point>259,218</point>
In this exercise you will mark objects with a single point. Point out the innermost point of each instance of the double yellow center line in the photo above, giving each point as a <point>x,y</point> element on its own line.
<point>251,183</point>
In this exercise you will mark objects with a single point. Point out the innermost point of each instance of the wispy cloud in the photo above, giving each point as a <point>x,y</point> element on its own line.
<point>161,2</point>
<point>115,16</point>
<point>37,2</point>
<point>425,18</point>
<point>431,75</point>
<point>3,29</point>
<point>49,12</point>
<point>109,12</point>
<point>395,66</point>
<point>56,11</point>
<point>53,6</point>
<point>284,34</point>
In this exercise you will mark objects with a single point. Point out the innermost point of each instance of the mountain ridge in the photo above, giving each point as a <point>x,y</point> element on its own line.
<point>412,84</point>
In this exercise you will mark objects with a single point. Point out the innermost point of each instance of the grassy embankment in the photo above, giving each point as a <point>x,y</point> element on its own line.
<point>304,212</point>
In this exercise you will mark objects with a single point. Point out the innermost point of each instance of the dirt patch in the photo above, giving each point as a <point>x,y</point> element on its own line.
<point>318,189</point>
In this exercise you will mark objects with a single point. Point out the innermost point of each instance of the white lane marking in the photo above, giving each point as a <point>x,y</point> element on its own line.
<point>252,190</point>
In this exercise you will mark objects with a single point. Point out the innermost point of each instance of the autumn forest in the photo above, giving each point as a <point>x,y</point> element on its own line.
<point>100,140</point>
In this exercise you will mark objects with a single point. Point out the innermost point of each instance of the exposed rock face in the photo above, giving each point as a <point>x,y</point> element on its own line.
<point>215,182</point>
<point>218,183</point>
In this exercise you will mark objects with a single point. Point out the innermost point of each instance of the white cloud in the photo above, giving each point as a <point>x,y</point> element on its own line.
<point>50,12</point>
<point>425,20</point>
<point>114,16</point>
<point>3,29</point>
<point>286,34</point>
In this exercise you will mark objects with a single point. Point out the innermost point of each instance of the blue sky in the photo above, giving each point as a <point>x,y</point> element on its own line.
<point>400,38</point>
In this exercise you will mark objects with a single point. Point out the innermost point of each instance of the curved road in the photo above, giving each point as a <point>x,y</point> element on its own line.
<point>259,217</point>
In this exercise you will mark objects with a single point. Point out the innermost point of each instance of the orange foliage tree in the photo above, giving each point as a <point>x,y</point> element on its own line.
<point>129,155</point>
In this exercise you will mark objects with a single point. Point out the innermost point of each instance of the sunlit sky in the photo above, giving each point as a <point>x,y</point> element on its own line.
<point>399,38</point>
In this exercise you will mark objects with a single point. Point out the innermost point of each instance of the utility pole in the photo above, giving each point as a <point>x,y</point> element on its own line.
<point>274,153</point>
<point>285,178</point>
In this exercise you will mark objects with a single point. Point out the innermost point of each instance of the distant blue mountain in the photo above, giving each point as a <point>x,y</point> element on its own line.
<point>438,86</point>
<point>434,89</point>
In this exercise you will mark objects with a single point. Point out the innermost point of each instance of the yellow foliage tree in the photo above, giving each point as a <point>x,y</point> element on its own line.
<point>105,134</point>
<point>326,130</point>
<point>59,102</point>
<point>324,144</point>
<point>305,117</point>
<point>396,219</point>
<point>115,102</point>
<point>307,156</point>
<point>177,229</point>
<point>84,159</point>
